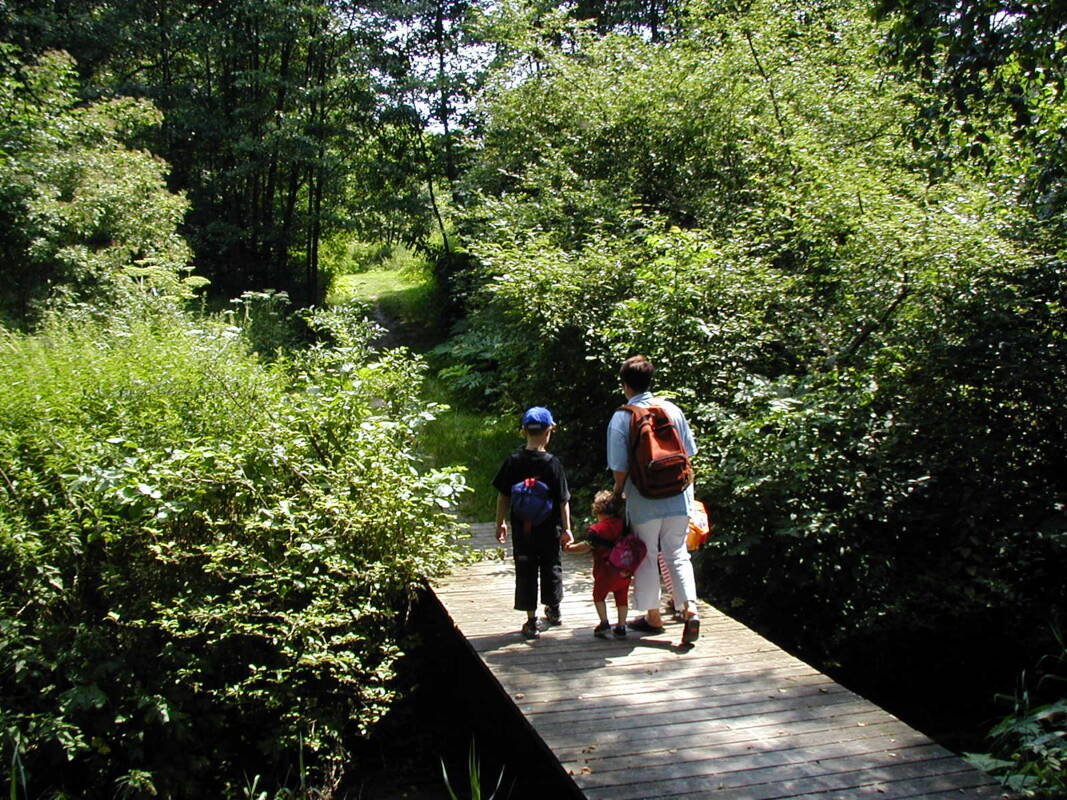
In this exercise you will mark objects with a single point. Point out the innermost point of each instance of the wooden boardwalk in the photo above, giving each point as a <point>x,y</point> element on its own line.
<point>731,718</point>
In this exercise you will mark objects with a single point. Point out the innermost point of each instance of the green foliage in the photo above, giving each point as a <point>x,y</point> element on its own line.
<point>474,774</point>
<point>344,254</point>
<point>204,558</point>
<point>406,301</point>
<point>703,133</point>
<point>478,440</point>
<point>287,123</point>
<point>1030,744</point>
<point>993,79</point>
<point>871,360</point>
<point>78,207</point>
<point>265,322</point>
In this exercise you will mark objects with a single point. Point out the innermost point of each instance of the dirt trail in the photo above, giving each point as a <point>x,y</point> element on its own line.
<point>403,333</point>
<point>392,330</point>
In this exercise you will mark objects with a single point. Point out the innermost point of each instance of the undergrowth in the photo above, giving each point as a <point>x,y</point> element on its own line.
<point>1029,746</point>
<point>205,559</point>
<point>471,437</point>
<point>476,439</point>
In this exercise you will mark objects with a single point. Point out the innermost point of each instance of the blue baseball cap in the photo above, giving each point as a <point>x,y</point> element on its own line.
<point>537,419</point>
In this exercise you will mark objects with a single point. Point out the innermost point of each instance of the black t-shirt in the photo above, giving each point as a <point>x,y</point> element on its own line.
<point>539,464</point>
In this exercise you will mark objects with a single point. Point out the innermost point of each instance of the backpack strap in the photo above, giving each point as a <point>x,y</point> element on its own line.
<point>637,411</point>
<point>635,414</point>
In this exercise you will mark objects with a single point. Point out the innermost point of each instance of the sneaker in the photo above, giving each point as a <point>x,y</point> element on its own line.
<point>601,630</point>
<point>529,629</point>
<point>620,631</point>
<point>552,616</point>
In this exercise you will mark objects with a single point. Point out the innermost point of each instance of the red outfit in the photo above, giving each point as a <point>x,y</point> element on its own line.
<point>606,579</point>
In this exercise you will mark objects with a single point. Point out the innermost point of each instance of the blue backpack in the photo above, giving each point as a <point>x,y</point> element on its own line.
<point>531,502</point>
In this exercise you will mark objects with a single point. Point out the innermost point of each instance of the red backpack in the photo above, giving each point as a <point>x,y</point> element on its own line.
<point>659,464</point>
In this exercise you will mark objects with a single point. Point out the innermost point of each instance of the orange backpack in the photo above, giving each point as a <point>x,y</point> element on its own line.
<point>659,465</point>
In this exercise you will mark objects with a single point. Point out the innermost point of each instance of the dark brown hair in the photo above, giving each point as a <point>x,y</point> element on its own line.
<point>636,372</point>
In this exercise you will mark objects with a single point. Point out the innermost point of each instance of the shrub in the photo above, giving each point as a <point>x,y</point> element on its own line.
<point>870,359</point>
<point>203,557</point>
<point>1030,744</point>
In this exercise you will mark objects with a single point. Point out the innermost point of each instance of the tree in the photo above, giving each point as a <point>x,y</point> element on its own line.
<point>648,18</point>
<point>265,105</point>
<point>78,207</point>
<point>995,74</point>
<point>870,354</point>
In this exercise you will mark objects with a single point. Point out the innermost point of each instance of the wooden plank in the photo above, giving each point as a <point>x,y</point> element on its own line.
<point>648,698</point>
<point>784,723</point>
<point>932,787</point>
<point>733,718</point>
<point>734,756</point>
<point>804,734</point>
<point>954,779</point>
<point>635,718</point>
<point>764,780</point>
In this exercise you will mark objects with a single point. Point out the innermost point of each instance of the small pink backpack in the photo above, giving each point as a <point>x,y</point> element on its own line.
<point>627,554</point>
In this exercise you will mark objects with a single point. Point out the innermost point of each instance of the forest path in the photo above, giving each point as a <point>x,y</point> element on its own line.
<point>394,332</point>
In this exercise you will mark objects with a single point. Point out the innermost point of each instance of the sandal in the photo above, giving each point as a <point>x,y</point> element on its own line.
<point>643,625</point>
<point>691,631</point>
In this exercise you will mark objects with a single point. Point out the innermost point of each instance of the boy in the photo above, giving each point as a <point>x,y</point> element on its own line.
<point>536,545</point>
<point>607,579</point>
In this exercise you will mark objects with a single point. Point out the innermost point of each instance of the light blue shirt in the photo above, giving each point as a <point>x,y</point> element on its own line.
<point>640,509</point>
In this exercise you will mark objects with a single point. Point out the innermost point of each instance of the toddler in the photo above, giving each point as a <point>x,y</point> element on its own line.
<point>607,579</point>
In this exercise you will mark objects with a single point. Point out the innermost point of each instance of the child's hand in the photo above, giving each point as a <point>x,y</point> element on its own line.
<point>578,547</point>
<point>568,539</point>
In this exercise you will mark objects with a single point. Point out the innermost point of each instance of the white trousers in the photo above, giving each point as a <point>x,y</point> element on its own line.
<point>666,535</point>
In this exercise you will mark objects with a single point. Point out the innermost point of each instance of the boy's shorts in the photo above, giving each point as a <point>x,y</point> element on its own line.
<point>607,581</point>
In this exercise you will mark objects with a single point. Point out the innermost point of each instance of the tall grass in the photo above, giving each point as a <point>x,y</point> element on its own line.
<point>394,278</point>
<point>377,285</point>
<point>474,775</point>
<point>17,775</point>
<point>405,301</point>
<point>475,439</point>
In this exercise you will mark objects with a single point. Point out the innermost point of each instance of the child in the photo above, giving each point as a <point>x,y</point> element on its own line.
<point>536,545</point>
<point>600,537</point>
